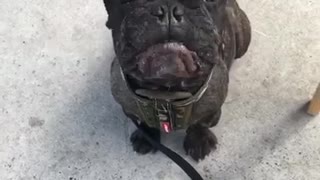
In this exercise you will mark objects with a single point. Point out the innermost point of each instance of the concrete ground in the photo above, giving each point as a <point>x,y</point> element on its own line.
<point>58,119</point>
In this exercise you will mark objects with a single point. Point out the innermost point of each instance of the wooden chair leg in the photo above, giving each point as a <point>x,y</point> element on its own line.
<point>314,107</point>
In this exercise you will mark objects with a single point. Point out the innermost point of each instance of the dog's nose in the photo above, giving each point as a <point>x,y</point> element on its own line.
<point>177,14</point>
<point>160,12</point>
<point>172,14</point>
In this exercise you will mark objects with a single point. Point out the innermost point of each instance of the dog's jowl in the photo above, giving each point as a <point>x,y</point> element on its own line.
<point>172,63</point>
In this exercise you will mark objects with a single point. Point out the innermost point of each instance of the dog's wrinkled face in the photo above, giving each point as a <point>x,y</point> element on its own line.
<point>167,45</point>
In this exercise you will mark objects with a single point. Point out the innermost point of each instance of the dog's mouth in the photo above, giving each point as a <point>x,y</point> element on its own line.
<point>167,70</point>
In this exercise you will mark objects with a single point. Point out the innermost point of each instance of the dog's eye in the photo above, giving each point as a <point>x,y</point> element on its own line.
<point>210,1</point>
<point>193,4</point>
<point>126,1</point>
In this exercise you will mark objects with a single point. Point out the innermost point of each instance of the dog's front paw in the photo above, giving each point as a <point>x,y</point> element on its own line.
<point>199,142</point>
<point>140,144</point>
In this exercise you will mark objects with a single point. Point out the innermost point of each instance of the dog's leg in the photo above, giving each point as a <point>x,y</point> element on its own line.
<point>200,141</point>
<point>140,144</point>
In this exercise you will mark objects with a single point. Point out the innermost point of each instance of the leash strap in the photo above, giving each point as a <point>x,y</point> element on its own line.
<point>184,165</point>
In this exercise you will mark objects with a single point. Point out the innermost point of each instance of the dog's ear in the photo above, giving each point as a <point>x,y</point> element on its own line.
<point>108,4</point>
<point>113,8</point>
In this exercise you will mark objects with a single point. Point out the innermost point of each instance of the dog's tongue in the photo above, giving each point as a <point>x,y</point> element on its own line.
<point>170,96</point>
<point>168,60</point>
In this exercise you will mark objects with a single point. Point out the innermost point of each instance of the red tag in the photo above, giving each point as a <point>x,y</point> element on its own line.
<point>166,127</point>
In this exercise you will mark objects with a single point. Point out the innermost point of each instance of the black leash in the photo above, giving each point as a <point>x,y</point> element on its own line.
<point>184,165</point>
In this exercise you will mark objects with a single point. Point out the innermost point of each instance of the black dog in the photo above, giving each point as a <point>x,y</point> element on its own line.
<point>171,70</point>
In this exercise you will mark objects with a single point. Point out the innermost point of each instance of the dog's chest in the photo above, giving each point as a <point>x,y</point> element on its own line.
<point>180,116</point>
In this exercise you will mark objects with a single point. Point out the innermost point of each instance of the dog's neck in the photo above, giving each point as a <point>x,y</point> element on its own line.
<point>167,111</point>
